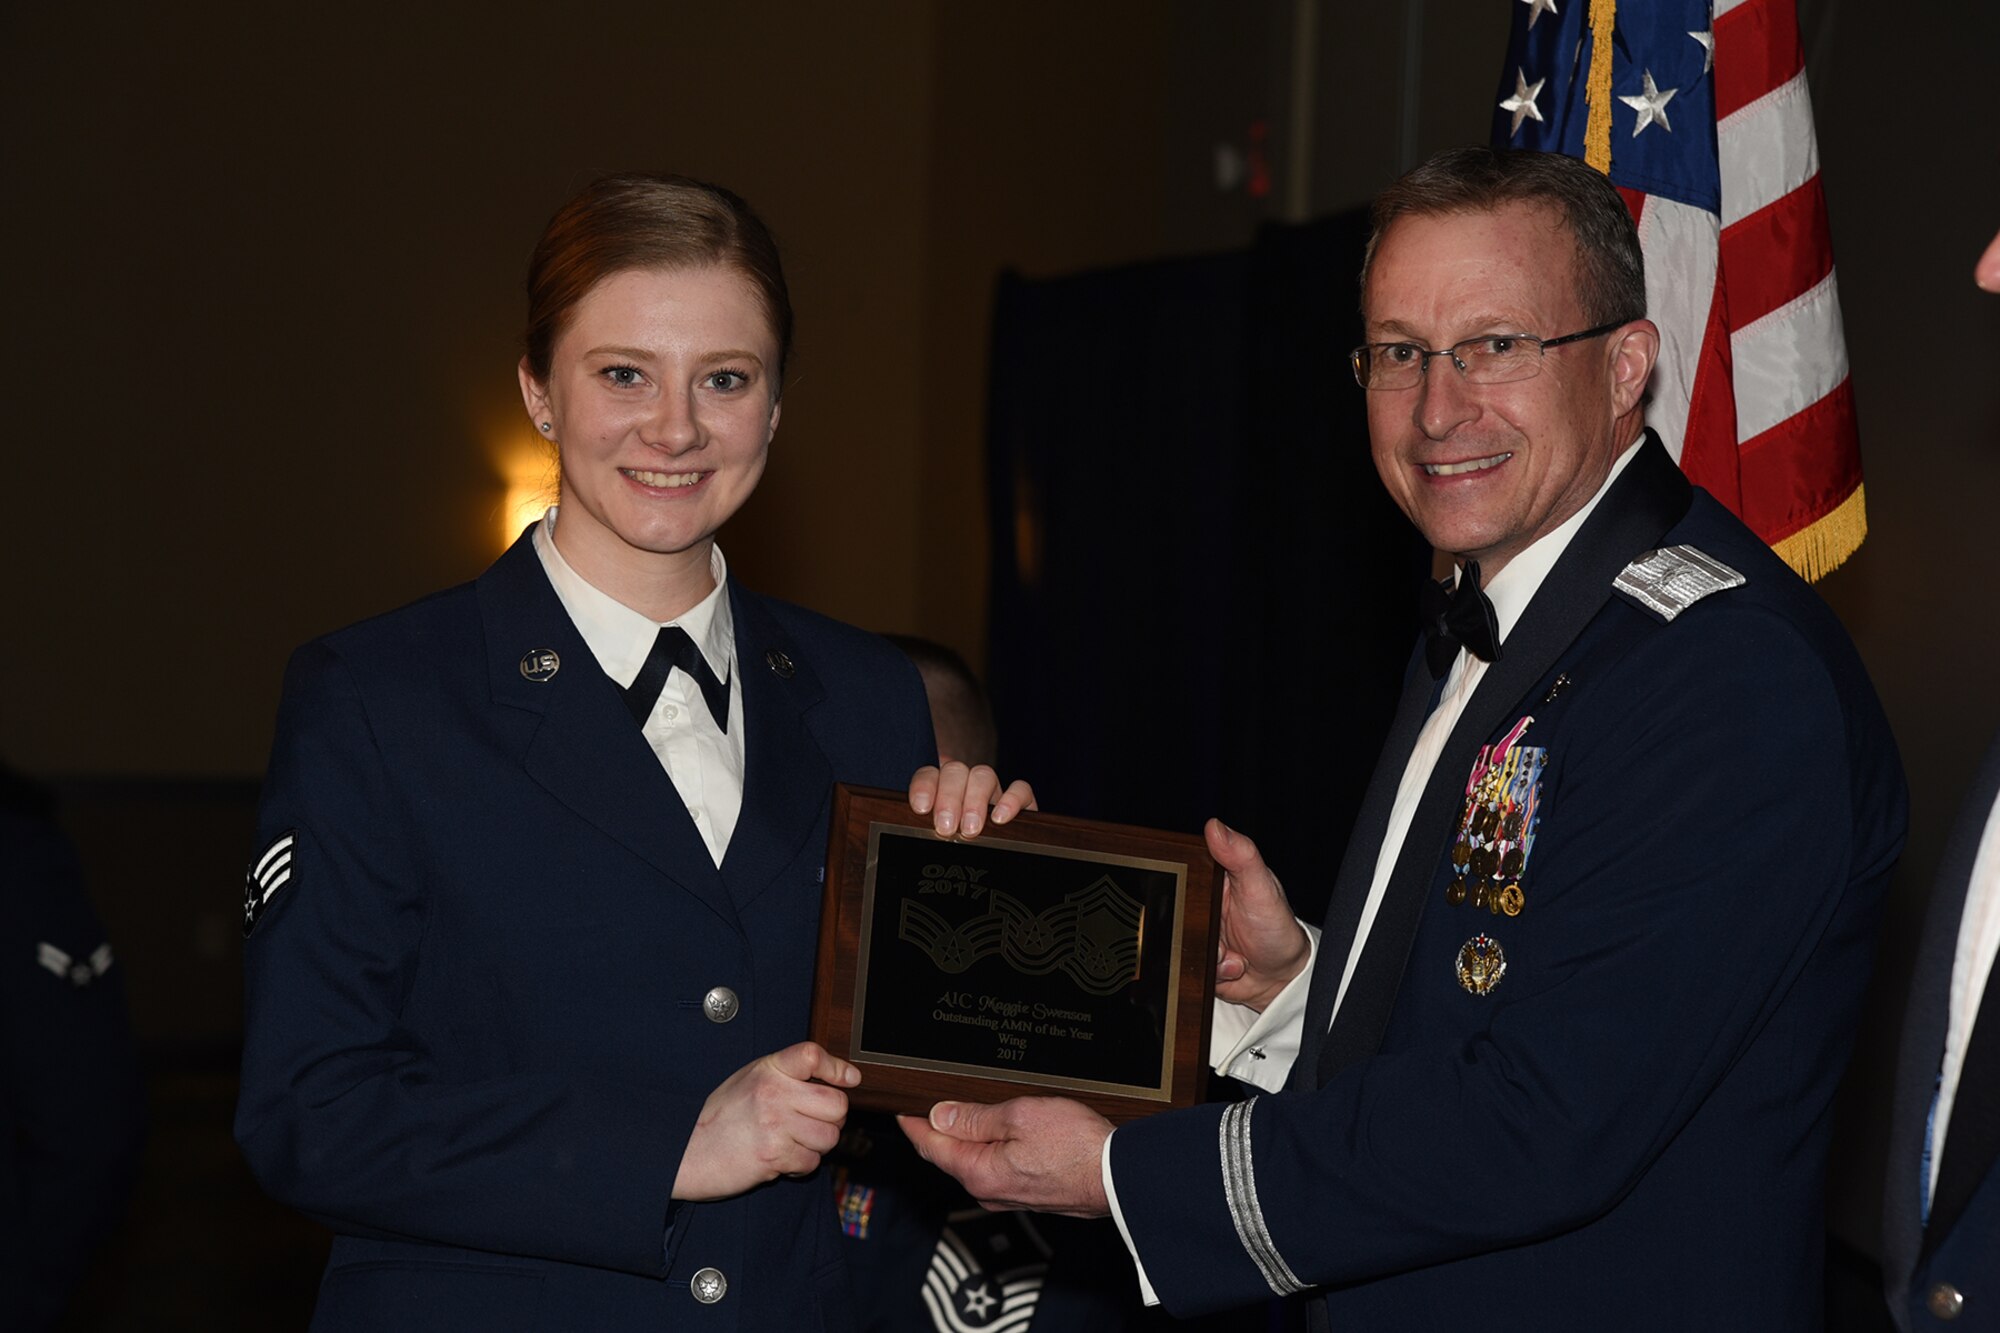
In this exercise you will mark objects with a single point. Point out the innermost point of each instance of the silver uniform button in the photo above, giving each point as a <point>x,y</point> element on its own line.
<point>1945,1301</point>
<point>709,1286</point>
<point>720,1005</point>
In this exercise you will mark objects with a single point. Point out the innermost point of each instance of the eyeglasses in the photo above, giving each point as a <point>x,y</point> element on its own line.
<point>1495,358</point>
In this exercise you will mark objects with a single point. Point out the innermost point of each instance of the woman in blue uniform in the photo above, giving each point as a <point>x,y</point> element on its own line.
<point>533,912</point>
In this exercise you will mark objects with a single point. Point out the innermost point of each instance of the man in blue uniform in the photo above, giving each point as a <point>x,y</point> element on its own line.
<point>1564,1051</point>
<point>1941,1202</point>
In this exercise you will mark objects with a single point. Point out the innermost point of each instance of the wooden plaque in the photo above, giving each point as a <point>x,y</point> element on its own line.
<point>1048,955</point>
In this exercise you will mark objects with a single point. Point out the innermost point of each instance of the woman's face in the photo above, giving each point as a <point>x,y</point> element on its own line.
<point>662,399</point>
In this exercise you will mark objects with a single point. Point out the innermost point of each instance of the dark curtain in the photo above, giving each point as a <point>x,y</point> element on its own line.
<point>1202,598</point>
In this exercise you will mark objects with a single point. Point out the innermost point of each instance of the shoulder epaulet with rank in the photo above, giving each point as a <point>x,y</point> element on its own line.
<point>1670,580</point>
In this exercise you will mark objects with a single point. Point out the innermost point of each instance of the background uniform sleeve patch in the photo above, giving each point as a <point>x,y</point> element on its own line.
<point>77,972</point>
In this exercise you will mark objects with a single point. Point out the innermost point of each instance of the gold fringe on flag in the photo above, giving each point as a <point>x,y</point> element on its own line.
<point>1823,545</point>
<point>1597,92</point>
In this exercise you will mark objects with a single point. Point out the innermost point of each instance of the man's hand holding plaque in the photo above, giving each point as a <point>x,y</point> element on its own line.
<point>1041,1154</point>
<point>1263,945</point>
<point>1045,1153</point>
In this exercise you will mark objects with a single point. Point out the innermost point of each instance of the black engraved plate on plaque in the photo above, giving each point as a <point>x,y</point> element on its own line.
<point>1005,959</point>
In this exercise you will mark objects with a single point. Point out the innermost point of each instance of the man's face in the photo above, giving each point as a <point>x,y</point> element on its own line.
<point>1485,470</point>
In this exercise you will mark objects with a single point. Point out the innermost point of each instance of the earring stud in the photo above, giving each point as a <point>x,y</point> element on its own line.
<point>545,425</point>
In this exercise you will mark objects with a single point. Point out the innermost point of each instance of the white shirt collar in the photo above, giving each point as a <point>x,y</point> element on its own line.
<point>1515,586</point>
<point>619,637</point>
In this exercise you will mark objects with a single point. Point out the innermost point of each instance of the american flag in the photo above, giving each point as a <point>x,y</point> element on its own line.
<point>1699,114</point>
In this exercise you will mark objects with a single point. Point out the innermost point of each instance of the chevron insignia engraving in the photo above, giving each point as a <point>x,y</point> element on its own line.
<point>1092,935</point>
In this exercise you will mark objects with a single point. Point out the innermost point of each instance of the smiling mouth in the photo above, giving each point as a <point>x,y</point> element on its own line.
<point>665,481</point>
<point>1461,469</point>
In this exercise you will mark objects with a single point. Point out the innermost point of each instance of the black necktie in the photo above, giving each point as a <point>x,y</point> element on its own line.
<point>1459,618</point>
<point>675,649</point>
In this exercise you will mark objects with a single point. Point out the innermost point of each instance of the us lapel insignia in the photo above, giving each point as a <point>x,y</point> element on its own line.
<point>1481,964</point>
<point>266,875</point>
<point>540,665</point>
<point>781,662</point>
<point>1496,832</point>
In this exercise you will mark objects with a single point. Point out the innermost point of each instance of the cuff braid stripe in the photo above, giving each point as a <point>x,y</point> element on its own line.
<point>1239,1187</point>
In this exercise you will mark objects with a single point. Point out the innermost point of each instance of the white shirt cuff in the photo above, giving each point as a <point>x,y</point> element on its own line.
<point>1259,1049</point>
<point>1146,1291</point>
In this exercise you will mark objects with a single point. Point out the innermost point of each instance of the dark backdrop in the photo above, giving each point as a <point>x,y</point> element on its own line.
<point>1202,598</point>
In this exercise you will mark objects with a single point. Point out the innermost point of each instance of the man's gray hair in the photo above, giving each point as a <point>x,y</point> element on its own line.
<point>1611,271</point>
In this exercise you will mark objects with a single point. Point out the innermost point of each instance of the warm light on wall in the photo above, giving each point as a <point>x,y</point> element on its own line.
<point>527,468</point>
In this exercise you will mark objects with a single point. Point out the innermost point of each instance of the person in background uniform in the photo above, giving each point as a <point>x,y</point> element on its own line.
<point>961,714</point>
<point>1941,1203</point>
<point>1564,1052</point>
<point>71,1103</point>
<point>533,915</point>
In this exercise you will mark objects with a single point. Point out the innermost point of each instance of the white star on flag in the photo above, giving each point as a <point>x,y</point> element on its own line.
<point>1536,8</point>
<point>1522,103</point>
<point>1651,106</point>
<point>1707,40</point>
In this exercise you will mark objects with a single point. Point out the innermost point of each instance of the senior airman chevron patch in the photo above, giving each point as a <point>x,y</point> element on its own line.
<point>266,875</point>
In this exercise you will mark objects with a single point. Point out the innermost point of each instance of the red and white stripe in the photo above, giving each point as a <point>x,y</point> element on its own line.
<point>1752,390</point>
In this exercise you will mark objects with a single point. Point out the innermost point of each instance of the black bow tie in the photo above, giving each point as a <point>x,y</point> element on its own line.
<point>673,648</point>
<point>1457,618</point>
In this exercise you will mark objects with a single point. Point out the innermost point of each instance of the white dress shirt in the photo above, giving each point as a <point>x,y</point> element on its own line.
<point>1259,1049</point>
<point>1971,973</point>
<point>704,762</point>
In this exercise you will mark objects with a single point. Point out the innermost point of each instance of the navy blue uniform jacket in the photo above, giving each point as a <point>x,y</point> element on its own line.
<point>1630,1130</point>
<point>475,1043</point>
<point>1960,1247</point>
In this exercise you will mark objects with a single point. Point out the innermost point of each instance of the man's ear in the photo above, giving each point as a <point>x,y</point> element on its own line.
<point>1634,349</point>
